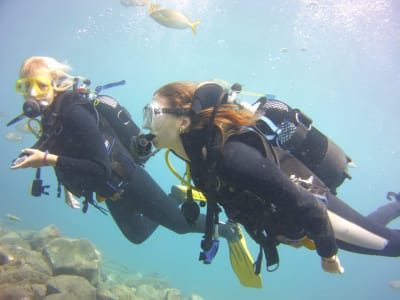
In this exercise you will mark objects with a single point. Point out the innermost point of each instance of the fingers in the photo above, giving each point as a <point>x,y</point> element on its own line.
<point>332,265</point>
<point>30,158</point>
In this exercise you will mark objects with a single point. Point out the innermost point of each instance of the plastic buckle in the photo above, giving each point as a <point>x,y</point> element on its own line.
<point>208,255</point>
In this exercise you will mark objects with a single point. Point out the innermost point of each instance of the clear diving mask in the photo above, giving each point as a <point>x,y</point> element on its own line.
<point>152,110</point>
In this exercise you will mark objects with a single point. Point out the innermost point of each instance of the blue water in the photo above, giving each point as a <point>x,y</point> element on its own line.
<point>336,60</point>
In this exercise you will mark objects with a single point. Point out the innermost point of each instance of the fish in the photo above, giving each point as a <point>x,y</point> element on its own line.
<point>128,3</point>
<point>23,128</point>
<point>12,136</point>
<point>13,218</point>
<point>395,284</point>
<point>171,18</point>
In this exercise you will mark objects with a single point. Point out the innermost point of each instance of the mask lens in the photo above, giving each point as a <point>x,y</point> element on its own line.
<point>34,86</point>
<point>147,116</point>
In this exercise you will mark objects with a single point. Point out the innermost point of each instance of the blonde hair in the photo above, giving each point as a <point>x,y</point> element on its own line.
<point>180,94</point>
<point>48,67</point>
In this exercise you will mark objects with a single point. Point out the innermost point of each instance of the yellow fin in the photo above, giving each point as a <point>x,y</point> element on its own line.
<point>194,25</point>
<point>242,262</point>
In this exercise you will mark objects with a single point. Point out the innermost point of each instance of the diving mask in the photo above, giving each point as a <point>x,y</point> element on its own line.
<point>150,111</point>
<point>34,86</point>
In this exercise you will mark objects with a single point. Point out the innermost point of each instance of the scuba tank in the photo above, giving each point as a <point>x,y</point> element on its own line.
<point>292,131</point>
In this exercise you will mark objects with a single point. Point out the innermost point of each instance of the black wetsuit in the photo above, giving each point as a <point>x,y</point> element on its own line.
<point>256,192</point>
<point>84,165</point>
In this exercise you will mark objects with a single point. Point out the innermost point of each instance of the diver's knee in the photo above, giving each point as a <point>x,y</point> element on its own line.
<point>135,239</point>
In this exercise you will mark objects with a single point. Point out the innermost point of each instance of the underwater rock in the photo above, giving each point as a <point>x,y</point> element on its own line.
<point>12,238</point>
<point>117,292</point>
<point>195,297</point>
<point>148,292</point>
<point>39,290</point>
<point>21,275</point>
<point>15,292</point>
<point>173,294</point>
<point>5,257</point>
<point>41,238</point>
<point>69,287</point>
<point>42,265</point>
<point>75,257</point>
<point>18,256</point>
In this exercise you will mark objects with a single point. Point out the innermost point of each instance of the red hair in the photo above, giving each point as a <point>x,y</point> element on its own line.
<point>180,95</point>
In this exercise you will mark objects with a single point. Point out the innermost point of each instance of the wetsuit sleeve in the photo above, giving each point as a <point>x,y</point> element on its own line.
<point>248,168</point>
<point>89,162</point>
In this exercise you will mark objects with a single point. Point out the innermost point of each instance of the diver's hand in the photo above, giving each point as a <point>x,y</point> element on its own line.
<point>70,199</point>
<point>36,159</point>
<point>332,264</point>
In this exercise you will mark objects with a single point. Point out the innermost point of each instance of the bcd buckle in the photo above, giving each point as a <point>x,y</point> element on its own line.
<point>208,255</point>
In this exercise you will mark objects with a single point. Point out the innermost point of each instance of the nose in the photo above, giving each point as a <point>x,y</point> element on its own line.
<point>32,92</point>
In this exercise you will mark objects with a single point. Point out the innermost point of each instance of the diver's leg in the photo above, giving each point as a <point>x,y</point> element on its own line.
<point>134,225</point>
<point>357,233</point>
<point>154,203</point>
<point>385,214</point>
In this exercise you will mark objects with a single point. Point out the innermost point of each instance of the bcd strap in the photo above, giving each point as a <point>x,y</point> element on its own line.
<point>89,200</point>
<point>209,245</point>
<point>271,255</point>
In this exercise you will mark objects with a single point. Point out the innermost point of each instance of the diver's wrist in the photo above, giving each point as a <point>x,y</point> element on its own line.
<point>50,159</point>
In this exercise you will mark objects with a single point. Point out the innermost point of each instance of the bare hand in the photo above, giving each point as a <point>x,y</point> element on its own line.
<point>35,159</point>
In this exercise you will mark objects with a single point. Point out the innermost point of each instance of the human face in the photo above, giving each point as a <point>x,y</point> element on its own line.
<point>39,88</point>
<point>163,122</point>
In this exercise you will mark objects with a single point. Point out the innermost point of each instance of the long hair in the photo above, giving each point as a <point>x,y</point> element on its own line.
<point>180,95</point>
<point>48,66</point>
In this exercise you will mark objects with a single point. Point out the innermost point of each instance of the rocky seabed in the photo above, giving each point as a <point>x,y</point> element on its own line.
<point>46,265</point>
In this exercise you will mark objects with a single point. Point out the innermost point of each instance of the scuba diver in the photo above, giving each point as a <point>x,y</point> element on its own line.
<point>266,188</point>
<point>97,153</point>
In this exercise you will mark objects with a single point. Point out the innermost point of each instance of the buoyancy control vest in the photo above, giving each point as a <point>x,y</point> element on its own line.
<point>118,131</point>
<point>291,130</point>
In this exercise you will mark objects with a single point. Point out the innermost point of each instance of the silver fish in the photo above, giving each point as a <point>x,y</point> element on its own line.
<point>395,284</point>
<point>128,3</point>
<point>13,218</point>
<point>12,136</point>
<point>171,18</point>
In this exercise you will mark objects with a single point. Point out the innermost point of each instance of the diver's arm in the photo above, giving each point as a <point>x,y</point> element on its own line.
<point>35,159</point>
<point>247,167</point>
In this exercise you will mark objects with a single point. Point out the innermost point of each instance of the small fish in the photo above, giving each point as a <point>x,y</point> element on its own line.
<point>3,114</point>
<point>171,18</point>
<point>23,127</point>
<point>128,3</point>
<point>395,284</point>
<point>12,136</point>
<point>13,218</point>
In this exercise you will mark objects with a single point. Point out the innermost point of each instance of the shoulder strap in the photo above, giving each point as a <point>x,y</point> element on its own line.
<point>53,122</point>
<point>208,244</point>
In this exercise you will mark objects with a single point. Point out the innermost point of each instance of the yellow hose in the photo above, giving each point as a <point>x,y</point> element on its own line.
<point>32,130</point>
